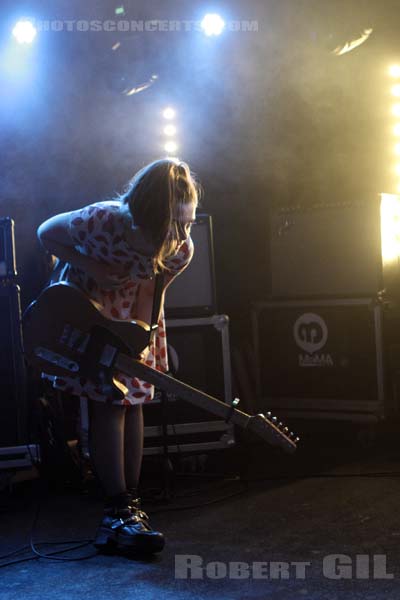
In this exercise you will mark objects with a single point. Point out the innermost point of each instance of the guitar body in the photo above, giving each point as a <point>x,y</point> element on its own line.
<point>61,326</point>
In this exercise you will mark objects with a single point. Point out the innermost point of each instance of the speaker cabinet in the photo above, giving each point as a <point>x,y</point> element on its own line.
<point>321,357</point>
<point>326,251</point>
<point>12,370</point>
<point>192,294</point>
<point>8,268</point>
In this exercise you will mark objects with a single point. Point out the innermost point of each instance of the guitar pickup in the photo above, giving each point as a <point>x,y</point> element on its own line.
<point>108,356</point>
<point>74,338</point>
<point>57,359</point>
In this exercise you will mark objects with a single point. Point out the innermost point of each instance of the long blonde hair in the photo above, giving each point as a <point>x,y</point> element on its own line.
<point>155,197</point>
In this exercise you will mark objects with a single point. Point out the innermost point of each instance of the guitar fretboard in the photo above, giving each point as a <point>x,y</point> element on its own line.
<point>135,368</point>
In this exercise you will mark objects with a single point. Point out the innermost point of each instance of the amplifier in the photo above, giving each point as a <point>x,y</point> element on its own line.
<point>12,369</point>
<point>192,294</point>
<point>326,251</point>
<point>321,357</point>
<point>8,269</point>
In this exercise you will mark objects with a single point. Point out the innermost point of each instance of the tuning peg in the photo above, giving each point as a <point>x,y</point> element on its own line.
<point>280,425</point>
<point>285,430</point>
<point>274,420</point>
<point>268,415</point>
<point>297,439</point>
<point>291,434</point>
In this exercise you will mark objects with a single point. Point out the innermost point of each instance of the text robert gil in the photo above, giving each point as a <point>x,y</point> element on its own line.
<point>334,566</point>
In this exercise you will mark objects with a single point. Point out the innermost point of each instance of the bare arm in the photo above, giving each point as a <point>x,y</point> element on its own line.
<point>55,237</point>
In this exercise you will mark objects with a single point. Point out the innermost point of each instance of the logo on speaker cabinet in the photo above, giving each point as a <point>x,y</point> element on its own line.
<point>311,334</point>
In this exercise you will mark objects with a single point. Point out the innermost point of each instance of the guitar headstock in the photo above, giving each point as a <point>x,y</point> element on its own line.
<point>273,431</point>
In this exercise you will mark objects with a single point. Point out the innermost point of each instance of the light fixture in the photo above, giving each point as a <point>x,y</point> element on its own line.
<point>212,24</point>
<point>24,32</point>
<point>171,147</point>
<point>396,90</point>
<point>394,71</point>
<point>169,113</point>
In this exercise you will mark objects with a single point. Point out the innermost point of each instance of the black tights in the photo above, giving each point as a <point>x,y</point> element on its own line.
<point>116,445</point>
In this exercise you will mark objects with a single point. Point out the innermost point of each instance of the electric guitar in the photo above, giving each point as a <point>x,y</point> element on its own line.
<point>65,334</point>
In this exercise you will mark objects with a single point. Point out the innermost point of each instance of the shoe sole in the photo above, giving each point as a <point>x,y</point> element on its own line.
<point>105,540</point>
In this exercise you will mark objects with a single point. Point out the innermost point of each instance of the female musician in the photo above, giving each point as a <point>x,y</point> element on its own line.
<point>114,249</point>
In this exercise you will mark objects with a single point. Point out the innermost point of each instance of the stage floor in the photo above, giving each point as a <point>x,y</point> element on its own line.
<point>285,519</point>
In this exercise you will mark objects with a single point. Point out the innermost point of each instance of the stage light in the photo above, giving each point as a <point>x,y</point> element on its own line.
<point>395,71</point>
<point>390,227</point>
<point>396,129</point>
<point>397,169</point>
<point>171,147</point>
<point>24,32</point>
<point>397,148</point>
<point>396,90</point>
<point>169,113</point>
<point>170,130</point>
<point>396,110</point>
<point>212,24</point>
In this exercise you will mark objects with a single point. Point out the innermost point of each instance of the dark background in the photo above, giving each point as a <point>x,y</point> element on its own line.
<point>266,118</point>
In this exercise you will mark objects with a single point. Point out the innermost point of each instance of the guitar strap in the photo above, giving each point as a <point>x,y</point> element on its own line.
<point>158,290</point>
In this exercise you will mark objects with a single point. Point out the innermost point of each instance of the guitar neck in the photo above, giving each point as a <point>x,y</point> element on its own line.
<point>134,368</point>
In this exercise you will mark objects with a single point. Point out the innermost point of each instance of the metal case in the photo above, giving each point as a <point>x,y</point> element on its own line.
<point>18,457</point>
<point>321,359</point>
<point>202,348</point>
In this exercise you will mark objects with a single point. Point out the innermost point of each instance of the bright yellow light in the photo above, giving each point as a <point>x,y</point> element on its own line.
<point>171,147</point>
<point>169,113</point>
<point>396,90</point>
<point>396,129</point>
<point>170,130</point>
<point>394,71</point>
<point>390,227</point>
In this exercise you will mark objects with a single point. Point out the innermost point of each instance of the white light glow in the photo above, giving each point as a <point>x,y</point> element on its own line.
<point>396,129</point>
<point>396,110</point>
<point>390,227</point>
<point>394,71</point>
<point>169,113</point>
<point>170,130</point>
<point>171,147</point>
<point>212,24</point>
<point>396,90</point>
<point>24,32</point>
